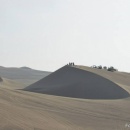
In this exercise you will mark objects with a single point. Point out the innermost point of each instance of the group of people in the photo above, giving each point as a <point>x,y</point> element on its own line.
<point>71,64</point>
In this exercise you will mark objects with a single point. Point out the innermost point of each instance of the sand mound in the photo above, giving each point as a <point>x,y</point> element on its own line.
<point>23,75</point>
<point>73,82</point>
<point>1,79</point>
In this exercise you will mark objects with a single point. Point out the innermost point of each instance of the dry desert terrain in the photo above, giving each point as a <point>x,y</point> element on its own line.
<point>46,109</point>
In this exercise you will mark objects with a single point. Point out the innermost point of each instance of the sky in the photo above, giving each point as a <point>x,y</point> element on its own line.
<point>47,34</point>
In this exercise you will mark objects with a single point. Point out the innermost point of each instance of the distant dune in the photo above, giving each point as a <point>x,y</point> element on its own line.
<point>74,82</point>
<point>24,67</point>
<point>24,75</point>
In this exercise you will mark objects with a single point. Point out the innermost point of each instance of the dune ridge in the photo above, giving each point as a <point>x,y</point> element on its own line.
<point>74,82</point>
<point>24,75</point>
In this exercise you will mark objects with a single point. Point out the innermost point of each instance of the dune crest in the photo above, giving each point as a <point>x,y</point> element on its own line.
<point>73,82</point>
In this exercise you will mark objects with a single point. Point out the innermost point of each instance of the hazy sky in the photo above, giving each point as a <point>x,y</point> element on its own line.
<point>47,34</point>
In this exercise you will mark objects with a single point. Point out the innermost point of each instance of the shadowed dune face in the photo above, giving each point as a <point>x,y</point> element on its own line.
<point>73,82</point>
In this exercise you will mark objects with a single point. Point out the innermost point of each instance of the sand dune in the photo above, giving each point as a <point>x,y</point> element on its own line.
<point>10,84</point>
<point>74,82</point>
<point>22,75</point>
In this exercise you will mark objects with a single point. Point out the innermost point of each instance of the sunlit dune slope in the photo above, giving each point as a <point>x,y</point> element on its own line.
<point>10,84</point>
<point>74,82</point>
<point>22,110</point>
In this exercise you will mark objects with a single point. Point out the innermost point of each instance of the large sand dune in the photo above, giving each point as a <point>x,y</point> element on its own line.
<point>74,82</point>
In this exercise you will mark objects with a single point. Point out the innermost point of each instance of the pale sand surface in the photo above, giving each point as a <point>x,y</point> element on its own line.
<point>22,110</point>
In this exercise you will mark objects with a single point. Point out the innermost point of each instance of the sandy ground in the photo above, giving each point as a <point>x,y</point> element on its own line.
<point>22,110</point>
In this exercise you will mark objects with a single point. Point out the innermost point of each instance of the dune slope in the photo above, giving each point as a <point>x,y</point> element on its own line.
<point>22,110</point>
<point>10,84</point>
<point>22,75</point>
<point>73,82</point>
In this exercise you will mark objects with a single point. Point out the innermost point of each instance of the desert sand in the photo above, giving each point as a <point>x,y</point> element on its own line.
<point>24,110</point>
